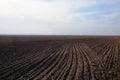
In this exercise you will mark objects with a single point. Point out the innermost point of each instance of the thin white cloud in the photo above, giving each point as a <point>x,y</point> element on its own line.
<point>38,8</point>
<point>47,16</point>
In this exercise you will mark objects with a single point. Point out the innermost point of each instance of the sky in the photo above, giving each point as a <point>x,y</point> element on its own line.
<point>60,17</point>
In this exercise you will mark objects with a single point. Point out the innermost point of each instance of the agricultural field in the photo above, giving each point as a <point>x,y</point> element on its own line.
<point>59,58</point>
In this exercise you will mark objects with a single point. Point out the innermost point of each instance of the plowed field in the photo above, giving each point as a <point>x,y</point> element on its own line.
<point>60,59</point>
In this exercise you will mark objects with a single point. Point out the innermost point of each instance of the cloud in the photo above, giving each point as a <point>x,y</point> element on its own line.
<point>58,16</point>
<point>39,8</point>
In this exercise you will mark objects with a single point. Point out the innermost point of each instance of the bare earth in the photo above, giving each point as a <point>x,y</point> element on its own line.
<point>59,58</point>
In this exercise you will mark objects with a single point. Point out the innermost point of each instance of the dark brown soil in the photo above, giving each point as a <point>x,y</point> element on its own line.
<point>59,58</point>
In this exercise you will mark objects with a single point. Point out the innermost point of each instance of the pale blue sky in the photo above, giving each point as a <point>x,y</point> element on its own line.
<point>60,17</point>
